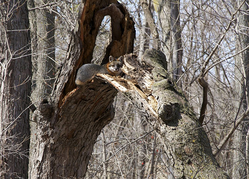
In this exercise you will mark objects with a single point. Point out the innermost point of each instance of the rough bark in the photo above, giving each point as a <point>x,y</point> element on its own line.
<point>66,142</point>
<point>15,82</point>
<point>239,138</point>
<point>68,123</point>
<point>186,143</point>
<point>169,18</point>
<point>42,30</point>
<point>123,33</point>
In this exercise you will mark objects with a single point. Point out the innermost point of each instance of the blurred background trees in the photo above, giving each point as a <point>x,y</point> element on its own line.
<point>188,32</point>
<point>209,34</point>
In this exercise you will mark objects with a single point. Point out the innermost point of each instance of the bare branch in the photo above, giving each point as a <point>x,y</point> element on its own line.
<point>230,133</point>
<point>151,23</point>
<point>204,85</point>
<point>203,71</point>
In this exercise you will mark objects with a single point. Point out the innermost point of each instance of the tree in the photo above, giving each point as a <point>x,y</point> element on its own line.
<point>169,19</point>
<point>72,120</point>
<point>61,151</point>
<point>166,136</point>
<point>15,79</point>
<point>42,28</point>
<point>240,155</point>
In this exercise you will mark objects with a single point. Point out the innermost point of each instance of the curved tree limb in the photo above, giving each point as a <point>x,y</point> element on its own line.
<point>67,125</point>
<point>123,33</point>
<point>204,85</point>
<point>201,80</point>
<point>230,133</point>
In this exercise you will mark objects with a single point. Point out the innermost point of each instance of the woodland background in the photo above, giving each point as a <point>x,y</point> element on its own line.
<point>207,37</point>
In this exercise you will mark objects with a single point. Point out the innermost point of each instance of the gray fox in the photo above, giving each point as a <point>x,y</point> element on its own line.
<point>87,71</point>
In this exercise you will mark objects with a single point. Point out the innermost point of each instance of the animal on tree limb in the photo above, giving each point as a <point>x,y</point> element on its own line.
<point>123,34</point>
<point>63,144</point>
<point>176,121</point>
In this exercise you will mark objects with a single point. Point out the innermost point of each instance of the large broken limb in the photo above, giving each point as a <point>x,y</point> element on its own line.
<point>123,34</point>
<point>68,133</point>
<point>185,140</point>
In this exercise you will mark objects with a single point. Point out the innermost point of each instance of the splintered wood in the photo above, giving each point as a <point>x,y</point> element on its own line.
<point>136,79</point>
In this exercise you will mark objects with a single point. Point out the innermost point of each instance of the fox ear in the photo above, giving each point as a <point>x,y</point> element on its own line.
<point>121,58</point>
<point>111,59</point>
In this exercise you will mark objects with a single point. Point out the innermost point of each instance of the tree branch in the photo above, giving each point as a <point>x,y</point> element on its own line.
<point>151,23</point>
<point>203,71</point>
<point>230,133</point>
<point>201,80</point>
<point>116,18</point>
<point>204,85</point>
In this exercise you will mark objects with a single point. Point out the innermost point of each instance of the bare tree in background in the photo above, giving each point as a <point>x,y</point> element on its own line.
<point>240,144</point>
<point>212,35</point>
<point>42,31</point>
<point>169,20</point>
<point>15,87</point>
<point>42,28</point>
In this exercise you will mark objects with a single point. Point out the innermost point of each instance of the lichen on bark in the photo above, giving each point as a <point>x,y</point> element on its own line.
<point>184,137</point>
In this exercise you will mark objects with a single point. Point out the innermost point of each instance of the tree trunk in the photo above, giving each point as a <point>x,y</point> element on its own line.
<point>239,137</point>
<point>68,123</point>
<point>186,143</point>
<point>15,87</point>
<point>150,20</point>
<point>43,59</point>
<point>169,18</point>
<point>43,49</point>
<point>242,61</point>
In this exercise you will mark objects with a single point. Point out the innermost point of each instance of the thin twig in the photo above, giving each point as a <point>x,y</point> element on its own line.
<point>203,72</point>
<point>218,62</point>
<point>201,79</point>
<point>230,133</point>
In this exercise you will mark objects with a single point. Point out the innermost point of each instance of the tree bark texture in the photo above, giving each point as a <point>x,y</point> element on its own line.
<point>42,30</point>
<point>15,87</point>
<point>123,32</point>
<point>239,137</point>
<point>149,18</point>
<point>66,138</point>
<point>68,123</point>
<point>169,18</point>
<point>186,143</point>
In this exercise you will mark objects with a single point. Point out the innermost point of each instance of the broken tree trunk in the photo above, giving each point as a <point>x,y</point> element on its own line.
<point>123,33</point>
<point>67,125</point>
<point>86,110</point>
<point>185,141</point>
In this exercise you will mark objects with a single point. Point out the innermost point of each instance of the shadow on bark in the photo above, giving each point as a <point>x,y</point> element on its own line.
<point>66,127</point>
